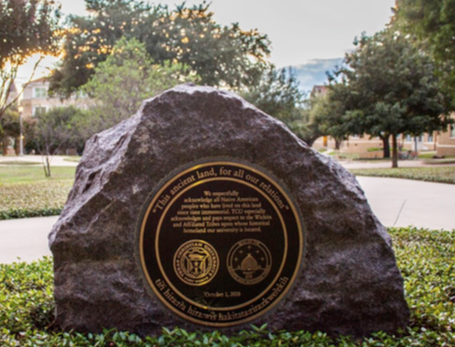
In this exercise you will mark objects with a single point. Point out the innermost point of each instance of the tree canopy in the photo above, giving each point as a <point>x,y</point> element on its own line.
<point>121,82</point>
<point>9,128</point>
<point>278,95</point>
<point>325,113</point>
<point>432,22</point>
<point>220,55</point>
<point>389,87</point>
<point>52,131</point>
<point>27,27</point>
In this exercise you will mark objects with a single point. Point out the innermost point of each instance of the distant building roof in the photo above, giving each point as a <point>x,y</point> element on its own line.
<point>12,88</point>
<point>319,90</point>
<point>41,79</point>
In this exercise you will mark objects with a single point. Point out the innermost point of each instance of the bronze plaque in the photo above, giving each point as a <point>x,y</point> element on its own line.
<point>221,243</point>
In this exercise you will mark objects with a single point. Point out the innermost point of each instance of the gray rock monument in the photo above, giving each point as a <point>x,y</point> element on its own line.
<point>203,212</point>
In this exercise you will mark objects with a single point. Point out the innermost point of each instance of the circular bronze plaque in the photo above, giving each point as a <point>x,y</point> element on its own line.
<point>221,243</point>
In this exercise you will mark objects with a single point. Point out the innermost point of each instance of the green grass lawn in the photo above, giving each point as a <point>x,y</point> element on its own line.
<point>431,174</point>
<point>32,174</point>
<point>25,192</point>
<point>17,163</point>
<point>426,259</point>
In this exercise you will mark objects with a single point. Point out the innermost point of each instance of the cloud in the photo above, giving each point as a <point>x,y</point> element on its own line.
<point>314,72</point>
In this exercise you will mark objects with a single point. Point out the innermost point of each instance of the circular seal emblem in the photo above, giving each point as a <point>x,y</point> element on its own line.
<point>196,262</point>
<point>220,242</point>
<point>249,261</point>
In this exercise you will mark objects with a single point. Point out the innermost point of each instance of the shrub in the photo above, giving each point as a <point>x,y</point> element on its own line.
<point>430,174</point>
<point>425,257</point>
<point>37,199</point>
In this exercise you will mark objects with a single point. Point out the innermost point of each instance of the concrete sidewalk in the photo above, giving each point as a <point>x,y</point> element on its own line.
<point>359,164</point>
<point>25,238</point>
<point>400,202</point>
<point>56,160</point>
<point>396,202</point>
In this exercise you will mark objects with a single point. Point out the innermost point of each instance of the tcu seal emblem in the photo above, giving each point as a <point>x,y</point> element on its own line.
<point>196,262</point>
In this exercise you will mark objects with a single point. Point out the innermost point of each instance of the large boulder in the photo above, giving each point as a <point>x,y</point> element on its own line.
<point>348,283</point>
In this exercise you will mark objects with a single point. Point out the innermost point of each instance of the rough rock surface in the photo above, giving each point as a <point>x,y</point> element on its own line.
<point>349,284</point>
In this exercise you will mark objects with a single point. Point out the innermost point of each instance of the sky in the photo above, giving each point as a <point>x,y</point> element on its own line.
<point>310,35</point>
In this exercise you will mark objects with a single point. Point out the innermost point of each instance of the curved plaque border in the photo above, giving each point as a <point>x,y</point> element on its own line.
<point>172,177</point>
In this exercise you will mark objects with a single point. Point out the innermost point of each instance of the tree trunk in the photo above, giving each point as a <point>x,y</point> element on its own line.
<point>385,146</point>
<point>5,146</point>
<point>16,146</point>
<point>337,144</point>
<point>47,167</point>
<point>394,151</point>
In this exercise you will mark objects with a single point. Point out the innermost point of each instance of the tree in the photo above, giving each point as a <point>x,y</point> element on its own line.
<point>326,113</point>
<point>27,27</point>
<point>432,22</point>
<point>391,88</point>
<point>122,82</point>
<point>9,127</point>
<point>53,132</point>
<point>221,56</point>
<point>278,95</point>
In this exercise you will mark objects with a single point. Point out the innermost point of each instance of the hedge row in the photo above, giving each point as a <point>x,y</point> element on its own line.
<point>426,259</point>
<point>36,199</point>
<point>45,212</point>
<point>430,174</point>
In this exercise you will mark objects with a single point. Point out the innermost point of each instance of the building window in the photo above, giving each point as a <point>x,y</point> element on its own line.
<point>430,138</point>
<point>408,138</point>
<point>452,130</point>
<point>355,136</point>
<point>38,109</point>
<point>40,92</point>
<point>420,138</point>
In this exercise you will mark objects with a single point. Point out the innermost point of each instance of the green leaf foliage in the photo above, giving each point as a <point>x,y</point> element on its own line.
<point>425,257</point>
<point>388,87</point>
<point>121,82</point>
<point>27,27</point>
<point>219,55</point>
<point>33,200</point>
<point>53,129</point>
<point>9,128</point>
<point>25,192</point>
<point>430,174</point>
<point>432,22</point>
<point>278,95</point>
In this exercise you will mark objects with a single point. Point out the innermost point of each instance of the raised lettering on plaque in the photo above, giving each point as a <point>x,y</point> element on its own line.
<point>221,243</point>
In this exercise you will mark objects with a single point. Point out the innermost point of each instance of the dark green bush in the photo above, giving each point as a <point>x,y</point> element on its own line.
<point>425,257</point>
<point>34,198</point>
<point>430,174</point>
<point>12,214</point>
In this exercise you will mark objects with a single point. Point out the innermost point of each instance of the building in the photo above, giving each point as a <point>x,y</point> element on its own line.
<point>319,90</point>
<point>446,141</point>
<point>35,99</point>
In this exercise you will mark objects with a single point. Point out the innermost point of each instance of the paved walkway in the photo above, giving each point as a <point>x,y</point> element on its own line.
<point>24,238</point>
<point>359,164</point>
<point>400,202</point>
<point>56,160</point>
<point>396,202</point>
